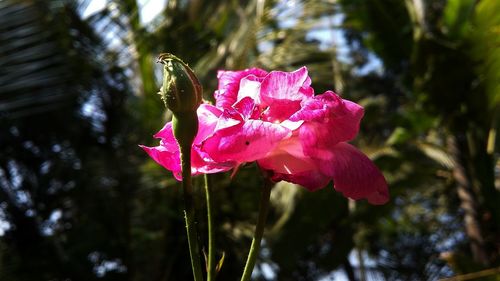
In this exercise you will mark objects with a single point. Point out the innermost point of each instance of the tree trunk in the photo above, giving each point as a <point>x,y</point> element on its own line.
<point>459,149</point>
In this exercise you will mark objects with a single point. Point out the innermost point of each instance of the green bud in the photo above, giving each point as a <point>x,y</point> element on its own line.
<point>182,94</point>
<point>181,90</point>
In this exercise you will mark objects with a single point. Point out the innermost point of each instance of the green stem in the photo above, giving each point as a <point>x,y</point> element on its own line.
<point>259,231</point>
<point>189,213</point>
<point>211,240</point>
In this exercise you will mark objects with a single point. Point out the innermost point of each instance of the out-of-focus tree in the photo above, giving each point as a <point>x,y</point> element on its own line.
<point>62,167</point>
<point>442,55</point>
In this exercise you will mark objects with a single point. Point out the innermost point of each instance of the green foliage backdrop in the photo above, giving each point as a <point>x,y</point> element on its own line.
<point>80,201</point>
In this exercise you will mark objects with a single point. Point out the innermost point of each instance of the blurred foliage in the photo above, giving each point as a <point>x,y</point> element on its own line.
<point>80,201</point>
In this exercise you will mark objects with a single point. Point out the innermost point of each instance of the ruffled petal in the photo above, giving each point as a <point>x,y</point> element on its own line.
<point>169,159</point>
<point>208,116</point>
<point>201,163</point>
<point>280,110</point>
<point>167,137</point>
<point>229,119</point>
<point>279,85</point>
<point>247,108</point>
<point>247,142</point>
<point>329,107</point>
<point>250,87</point>
<point>328,120</point>
<point>229,85</point>
<point>355,175</point>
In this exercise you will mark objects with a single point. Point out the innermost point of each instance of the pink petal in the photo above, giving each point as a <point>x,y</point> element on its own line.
<point>247,108</point>
<point>288,158</point>
<point>250,87</point>
<point>281,110</point>
<point>245,143</point>
<point>167,137</point>
<point>355,175</point>
<point>208,116</point>
<point>230,118</point>
<point>329,107</point>
<point>201,163</point>
<point>328,120</point>
<point>287,162</point>
<point>311,180</point>
<point>292,125</point>
<point>283,92</point>
<point>279,85</point>
<point>229,85</point>
<point>170,160</point>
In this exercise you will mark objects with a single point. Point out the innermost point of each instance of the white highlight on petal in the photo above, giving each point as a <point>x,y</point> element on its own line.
<point>249,88</point>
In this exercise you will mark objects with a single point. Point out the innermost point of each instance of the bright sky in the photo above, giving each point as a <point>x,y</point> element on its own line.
<point>149,8</point>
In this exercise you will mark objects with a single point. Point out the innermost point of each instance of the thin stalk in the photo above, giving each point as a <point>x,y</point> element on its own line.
<point>259,231</point>
<point>211,240</point>
<point>189,213</point>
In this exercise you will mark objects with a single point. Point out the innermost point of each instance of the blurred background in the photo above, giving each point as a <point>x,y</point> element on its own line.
<point>79,200</point>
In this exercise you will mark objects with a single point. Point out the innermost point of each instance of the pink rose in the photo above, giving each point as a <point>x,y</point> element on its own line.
<point>275,119</point>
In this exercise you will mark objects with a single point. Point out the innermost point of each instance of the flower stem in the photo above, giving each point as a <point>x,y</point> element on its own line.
<point>259,231</point>
<point>189,213</point>
<point>211,240</point>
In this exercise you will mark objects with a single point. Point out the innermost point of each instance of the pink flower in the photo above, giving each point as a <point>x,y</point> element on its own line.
<point>275,119</point>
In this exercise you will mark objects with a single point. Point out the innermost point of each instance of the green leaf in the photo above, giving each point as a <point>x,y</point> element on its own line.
<point>398,136</point>
<point>485,40</point>
<point>218,267</point>
<point>456,17</point>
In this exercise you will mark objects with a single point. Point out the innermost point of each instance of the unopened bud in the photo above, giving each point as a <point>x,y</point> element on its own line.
<point>181,90</point>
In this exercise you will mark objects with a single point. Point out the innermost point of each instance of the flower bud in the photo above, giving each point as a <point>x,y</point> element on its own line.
<point>181,90</point>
